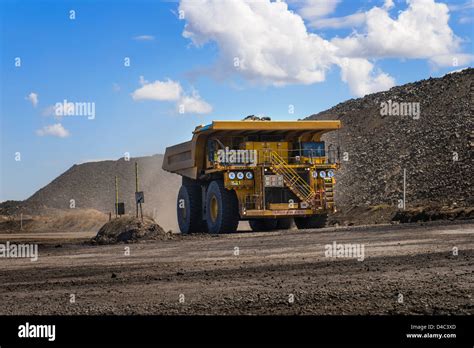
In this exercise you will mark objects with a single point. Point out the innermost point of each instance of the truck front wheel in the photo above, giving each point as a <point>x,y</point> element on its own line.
<point>222,209</point>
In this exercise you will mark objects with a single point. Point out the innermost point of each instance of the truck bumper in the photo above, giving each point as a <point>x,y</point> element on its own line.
<point>251,214</point>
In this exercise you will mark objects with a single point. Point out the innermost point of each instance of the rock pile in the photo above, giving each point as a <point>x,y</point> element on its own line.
<point>129,229</point>
<point>435,146</point>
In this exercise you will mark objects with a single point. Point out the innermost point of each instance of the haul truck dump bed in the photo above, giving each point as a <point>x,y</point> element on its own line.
<point>267,172</point>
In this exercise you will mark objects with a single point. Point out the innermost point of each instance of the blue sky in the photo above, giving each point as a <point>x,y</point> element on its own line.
<point>82,60</point>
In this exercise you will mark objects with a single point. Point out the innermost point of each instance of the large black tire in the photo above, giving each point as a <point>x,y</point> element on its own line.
<point>262,225</point>
<point>222,208</point>
<point>284,224</point>
<point>190,208</point>
<point>315,221</point>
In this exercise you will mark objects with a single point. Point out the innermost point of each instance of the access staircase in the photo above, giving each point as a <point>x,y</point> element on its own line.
<point>292,179</point>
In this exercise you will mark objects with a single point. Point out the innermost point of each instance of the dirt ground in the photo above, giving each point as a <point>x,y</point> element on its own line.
<point>407,269</point>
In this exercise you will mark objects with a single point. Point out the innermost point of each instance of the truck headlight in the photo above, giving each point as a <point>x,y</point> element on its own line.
<point>240,175</point>
<point>249,175</point>
<point>330,173</point>
<point>322,174</point>
<point>231,175</point>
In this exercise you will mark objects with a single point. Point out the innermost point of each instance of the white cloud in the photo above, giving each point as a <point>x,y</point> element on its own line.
<point>469,4</point>
<point>465,20</point>
<point>349,21</point>
<point>56,130</point>
<point>144,38</point>
<point>310,9</point>
<point>420,32</point>
<point>172,91</point>
<point>452,60</point>
<point>271,44</point>
<point>193,104</point>
<point>388,4</point>
<point>158,90</point>
<point>33,98</point>
<point>359,74</point>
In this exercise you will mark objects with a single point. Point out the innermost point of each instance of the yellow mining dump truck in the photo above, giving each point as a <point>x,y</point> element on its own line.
<point>266,172</point>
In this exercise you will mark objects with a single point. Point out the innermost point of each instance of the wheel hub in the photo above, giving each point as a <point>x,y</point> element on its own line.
<point>214,208</point>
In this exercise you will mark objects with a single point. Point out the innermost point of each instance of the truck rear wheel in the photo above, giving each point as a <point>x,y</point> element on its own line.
<point>261,225</point>
<point>315,221</point>
<point>222,209</point>
<point>190,209</point>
